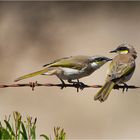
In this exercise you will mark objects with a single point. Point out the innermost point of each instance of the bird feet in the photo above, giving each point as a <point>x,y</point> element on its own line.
<point>125,88</point>
<point>63,85</point>
<point>79,85</point>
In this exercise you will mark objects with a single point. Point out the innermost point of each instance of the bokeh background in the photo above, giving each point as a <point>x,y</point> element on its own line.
<point>35,33</point>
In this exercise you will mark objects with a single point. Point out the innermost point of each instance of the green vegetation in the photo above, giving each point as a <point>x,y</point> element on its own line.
<point>24,129</point>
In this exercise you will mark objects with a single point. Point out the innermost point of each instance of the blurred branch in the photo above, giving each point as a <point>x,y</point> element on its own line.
<point>35,84</point>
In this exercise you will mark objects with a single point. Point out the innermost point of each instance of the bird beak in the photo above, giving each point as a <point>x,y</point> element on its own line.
<point>113,51</point>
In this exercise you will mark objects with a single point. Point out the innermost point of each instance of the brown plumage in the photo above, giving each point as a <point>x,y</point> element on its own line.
<point>120,71</point>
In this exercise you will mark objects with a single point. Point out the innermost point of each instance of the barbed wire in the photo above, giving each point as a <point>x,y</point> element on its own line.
<point>77,86</point>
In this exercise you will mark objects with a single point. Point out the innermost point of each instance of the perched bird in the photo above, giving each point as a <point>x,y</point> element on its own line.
<point>70,68</point>
<point>120,71</point>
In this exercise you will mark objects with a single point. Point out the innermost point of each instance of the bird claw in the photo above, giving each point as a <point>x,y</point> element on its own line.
<point>63,85</point>
<point>125,88</point>
<point>79,85</point>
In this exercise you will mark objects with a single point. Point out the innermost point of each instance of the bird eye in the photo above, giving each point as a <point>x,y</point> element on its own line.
<point>122,48</point>
<point>100,59</point>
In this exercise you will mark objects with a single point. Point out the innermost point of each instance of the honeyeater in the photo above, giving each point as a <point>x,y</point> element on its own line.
<point>120,70</point>
<point>70,68</point>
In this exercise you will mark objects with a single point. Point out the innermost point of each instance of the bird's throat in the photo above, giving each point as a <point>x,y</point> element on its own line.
<point>94,65</point>
<point>124,52</point>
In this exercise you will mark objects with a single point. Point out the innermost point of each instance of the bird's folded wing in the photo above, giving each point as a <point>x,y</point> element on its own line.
<point>120,70</point>
<point>68,63</point>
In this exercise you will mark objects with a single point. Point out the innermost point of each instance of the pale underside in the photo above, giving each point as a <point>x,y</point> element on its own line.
<point>71,73</point>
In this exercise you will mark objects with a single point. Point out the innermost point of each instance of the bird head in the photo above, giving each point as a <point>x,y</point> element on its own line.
<point>125,49</point>
<point>98,61</point>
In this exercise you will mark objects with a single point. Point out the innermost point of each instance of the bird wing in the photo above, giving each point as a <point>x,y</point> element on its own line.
<point>75,62</point>
<point>120,67</point>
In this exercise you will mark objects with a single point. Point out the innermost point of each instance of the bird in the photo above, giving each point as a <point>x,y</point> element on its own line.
<point>71,68</point>
<point>120,70</point>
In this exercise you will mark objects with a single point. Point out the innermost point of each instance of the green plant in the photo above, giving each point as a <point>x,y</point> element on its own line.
<point>59,134</point>
<point>24,130</point>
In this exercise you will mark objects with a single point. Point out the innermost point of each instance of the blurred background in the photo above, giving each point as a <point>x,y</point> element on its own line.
<point>35,33</point>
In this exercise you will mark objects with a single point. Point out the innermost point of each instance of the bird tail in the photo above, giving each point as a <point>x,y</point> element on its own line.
<point>104,92</point>
<point>32,74</point>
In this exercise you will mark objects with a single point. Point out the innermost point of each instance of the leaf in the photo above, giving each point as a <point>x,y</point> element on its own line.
<point>62,134</point>
<point>9,127</point>
<point>5,135</point>
<point>19,122</point>
<point>18,127</point>
<point>17,119</point>
<point>45,136</point>
<point>35,121</point>
<point>0,133</point>
<point>23,132</point>
<point>33,133</point>
<point>33,129</point>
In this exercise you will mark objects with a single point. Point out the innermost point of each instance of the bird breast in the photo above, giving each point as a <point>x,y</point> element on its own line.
<point>69,71</point>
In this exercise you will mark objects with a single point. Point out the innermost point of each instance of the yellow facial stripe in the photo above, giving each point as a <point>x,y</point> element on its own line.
<point>123,51</point>
<point>99,62</point>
